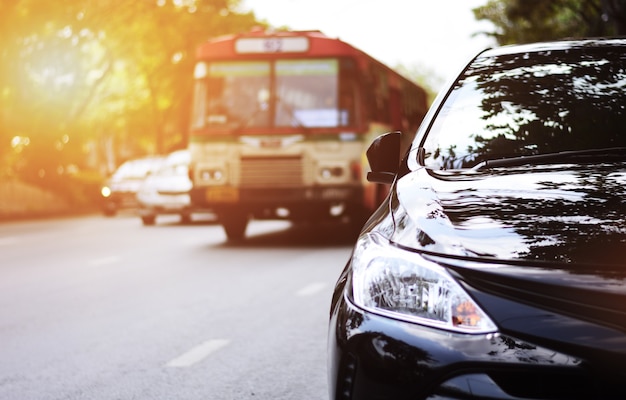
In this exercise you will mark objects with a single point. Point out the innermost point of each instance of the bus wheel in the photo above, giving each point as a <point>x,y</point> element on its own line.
<point>148,219</point>
<point>234,226</point>
<point>185,218</point>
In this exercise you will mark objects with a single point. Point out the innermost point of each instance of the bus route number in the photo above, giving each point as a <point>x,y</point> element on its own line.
<point>273,45</point>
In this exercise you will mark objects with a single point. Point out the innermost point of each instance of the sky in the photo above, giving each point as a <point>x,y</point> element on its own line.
<point>431,35</point>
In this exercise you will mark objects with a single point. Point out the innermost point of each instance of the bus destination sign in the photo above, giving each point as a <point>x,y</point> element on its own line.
<point>272,45</point>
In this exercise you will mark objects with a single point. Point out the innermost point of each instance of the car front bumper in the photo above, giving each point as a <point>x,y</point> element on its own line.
<point>374,358</point>
<point>120,200</point>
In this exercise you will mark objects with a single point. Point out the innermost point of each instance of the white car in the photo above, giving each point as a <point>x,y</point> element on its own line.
<point>166,191</point>
<point>120,190</point>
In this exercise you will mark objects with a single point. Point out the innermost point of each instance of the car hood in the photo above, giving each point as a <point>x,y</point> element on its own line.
<point>553,236</point>
<point>124,184</point>
<point>564,214</point>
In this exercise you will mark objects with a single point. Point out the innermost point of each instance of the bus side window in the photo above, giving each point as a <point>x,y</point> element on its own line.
<point>347,94</point>
<point>395,110</point>
<point>379,95</point>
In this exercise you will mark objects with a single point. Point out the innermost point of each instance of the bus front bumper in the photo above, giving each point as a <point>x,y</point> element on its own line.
<point>267,202</point>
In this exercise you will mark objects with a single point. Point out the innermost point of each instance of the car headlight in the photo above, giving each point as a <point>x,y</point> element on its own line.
<point>400,284</point>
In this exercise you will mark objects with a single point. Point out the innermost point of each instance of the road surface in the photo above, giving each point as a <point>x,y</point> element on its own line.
<point>105,308</point>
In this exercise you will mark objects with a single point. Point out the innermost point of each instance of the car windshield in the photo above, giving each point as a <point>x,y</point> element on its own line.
<point>136,169</point>
<point>507,106</point>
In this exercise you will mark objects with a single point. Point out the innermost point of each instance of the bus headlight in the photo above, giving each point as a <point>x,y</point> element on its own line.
<point>331,172</point>
<point>400,284</point>
<point>211,175</point>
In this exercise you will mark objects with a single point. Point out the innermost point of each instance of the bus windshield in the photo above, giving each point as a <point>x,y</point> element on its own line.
<point>283,93</point>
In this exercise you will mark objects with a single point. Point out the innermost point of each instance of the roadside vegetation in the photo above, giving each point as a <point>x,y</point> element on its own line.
<point>527,21</point>
<point>86,85</point>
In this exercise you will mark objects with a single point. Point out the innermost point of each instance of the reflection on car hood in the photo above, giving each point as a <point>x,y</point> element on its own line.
<point>565,214</point>
<point>549,236</point>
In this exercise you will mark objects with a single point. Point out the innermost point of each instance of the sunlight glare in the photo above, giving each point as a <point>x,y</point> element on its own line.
<point>19,142</point>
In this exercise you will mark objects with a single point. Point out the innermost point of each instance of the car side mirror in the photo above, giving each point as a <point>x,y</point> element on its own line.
<point>383,156</point>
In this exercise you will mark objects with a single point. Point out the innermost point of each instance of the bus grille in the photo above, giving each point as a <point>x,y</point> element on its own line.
<point>271,172</point>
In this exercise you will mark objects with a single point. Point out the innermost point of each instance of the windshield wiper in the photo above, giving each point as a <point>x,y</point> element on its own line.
<point>573,156</point>
<point>244,123</point>
<point>279,103</point>
<point>291,113</point>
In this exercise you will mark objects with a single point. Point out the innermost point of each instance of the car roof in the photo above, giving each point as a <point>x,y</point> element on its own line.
<point>178,157</point>
<point>601,42</point>
<point>138,167</point>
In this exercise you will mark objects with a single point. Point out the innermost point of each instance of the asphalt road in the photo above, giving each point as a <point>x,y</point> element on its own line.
<point>105,308</point>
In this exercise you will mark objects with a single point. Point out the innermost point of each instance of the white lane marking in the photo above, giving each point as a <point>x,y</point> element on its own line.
<point>103,261</point>
<point>198,353</point>
<point>311,289</point>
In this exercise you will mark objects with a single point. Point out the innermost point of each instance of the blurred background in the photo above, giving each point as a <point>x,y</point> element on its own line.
<point>86,85</point>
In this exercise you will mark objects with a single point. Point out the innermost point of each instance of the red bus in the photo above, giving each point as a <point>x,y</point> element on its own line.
<point>281,122</point>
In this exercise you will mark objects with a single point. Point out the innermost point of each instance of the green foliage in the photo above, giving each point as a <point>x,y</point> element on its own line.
<point>423,76</point>
<point>85,84</point>
<point>526,21</point>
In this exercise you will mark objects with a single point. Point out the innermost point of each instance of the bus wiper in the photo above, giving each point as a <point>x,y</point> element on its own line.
<point>291,112</point>
<point>245,122</point>
<point>279,103</point>
<point>573,156</point>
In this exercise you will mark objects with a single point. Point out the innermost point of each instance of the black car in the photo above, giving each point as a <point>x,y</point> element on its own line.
<point>496,267</point>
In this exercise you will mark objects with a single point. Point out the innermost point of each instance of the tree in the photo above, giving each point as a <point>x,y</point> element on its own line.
<point>86,84</point>
<point>423,76</point>
<point>525,21</point>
